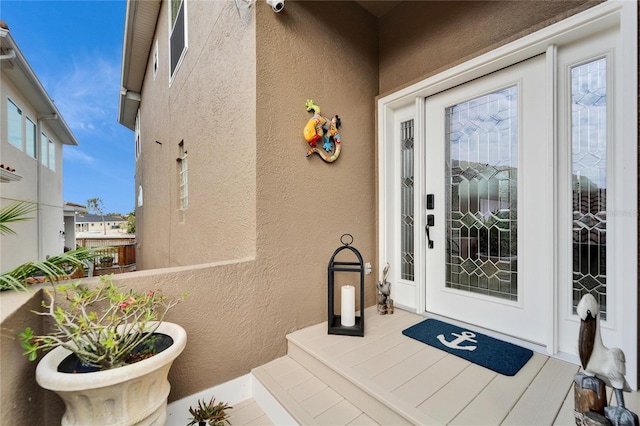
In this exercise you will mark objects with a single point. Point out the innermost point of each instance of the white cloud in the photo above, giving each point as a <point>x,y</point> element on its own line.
<point>87,95</point>
<point>75,155</point>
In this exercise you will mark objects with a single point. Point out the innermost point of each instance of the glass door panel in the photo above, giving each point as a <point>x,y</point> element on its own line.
<point>486,160</point>
<point>482,194</point>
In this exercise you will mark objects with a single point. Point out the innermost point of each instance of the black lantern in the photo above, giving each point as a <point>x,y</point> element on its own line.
<point>347,322</point>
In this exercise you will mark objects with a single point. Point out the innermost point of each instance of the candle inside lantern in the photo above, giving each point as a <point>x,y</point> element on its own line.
<point>348,307</point>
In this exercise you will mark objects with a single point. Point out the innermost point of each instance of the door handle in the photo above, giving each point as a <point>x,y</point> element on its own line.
<point>430,222</point>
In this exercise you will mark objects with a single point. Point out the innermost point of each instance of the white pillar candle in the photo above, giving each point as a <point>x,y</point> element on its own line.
<point>348,306</point>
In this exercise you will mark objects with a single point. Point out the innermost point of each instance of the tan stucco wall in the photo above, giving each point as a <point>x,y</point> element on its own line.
<point>22,398</point>
<point>238,102</point>
<point>421,38</point>
<point>210,105</point>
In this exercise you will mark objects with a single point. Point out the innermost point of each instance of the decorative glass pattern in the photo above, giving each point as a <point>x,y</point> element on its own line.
<point>406,202</point>
<point>482,214</point>
<point>589,180</point>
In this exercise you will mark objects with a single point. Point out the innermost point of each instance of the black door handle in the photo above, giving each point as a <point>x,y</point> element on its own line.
<point>430,222</point>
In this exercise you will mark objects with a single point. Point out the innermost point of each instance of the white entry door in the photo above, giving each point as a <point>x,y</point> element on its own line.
<point>489,209</point>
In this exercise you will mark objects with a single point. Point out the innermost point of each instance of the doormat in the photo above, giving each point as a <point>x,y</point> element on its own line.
<point>497,355</point>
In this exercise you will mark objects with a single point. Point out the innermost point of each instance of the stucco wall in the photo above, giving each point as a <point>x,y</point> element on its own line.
<point>327,52</point>
<point>238,102</point>
<point>22,398</point>
<point>418,38</point>
<point>210,107</point>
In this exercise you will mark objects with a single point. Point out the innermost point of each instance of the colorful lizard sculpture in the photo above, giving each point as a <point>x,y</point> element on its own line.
<point>320,127</point>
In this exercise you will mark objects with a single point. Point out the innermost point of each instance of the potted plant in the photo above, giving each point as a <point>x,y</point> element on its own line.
<point>109,353</point>
<point>105,261</point>
<point>209,413</point>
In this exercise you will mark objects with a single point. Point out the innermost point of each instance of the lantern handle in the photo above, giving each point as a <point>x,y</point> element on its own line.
<point>342,239</point>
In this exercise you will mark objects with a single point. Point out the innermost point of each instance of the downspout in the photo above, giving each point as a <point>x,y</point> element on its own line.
<point>41,118</point>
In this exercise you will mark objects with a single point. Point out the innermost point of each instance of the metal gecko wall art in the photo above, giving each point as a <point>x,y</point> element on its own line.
<point>319,127</point>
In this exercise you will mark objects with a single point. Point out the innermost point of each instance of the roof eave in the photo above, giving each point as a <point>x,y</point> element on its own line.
<point>58,124</point>
<point>141,18</point>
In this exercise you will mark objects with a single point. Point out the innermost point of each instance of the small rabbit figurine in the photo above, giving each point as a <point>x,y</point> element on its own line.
<point>385,303</point>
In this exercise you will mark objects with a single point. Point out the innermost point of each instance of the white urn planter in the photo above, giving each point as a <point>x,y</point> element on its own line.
<point>135,394</point>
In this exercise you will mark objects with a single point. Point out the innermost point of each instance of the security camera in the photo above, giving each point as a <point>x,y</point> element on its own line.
<point>276,5</point>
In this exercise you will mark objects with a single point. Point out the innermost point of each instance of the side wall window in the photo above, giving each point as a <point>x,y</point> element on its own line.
<point>183,177</point>
<point>14,124</point>
<point>44,149</point>
<point>31,138</point>
<point>52,155</point>
<point>178,38</point>
<point>137,135</point>
<point>155,60</point>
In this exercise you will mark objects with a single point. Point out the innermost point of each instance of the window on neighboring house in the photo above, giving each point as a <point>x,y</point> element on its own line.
<point>14,124</point>
<point>44,149</point>
<point>32,140</point>
<point>183,177</point>
<point>178,38</point>
<point>52,155</point>
<point>137,135</point>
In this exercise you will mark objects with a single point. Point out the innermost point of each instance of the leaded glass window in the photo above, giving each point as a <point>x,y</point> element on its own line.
<point>406,204</point>
<point>481,194</point>
<point>589,180</point>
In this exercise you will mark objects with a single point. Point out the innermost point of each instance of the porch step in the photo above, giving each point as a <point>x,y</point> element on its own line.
<point>386,378</point>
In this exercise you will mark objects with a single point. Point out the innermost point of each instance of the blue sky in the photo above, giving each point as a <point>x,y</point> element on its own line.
<point>75,49</point>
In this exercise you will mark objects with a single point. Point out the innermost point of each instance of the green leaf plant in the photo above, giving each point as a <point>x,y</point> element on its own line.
<point>211,413</point>
<point>100,325</point>
<point>53,269</point>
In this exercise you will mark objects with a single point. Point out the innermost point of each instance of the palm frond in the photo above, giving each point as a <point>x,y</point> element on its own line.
<point>15,212</point>
<point>54,269</point>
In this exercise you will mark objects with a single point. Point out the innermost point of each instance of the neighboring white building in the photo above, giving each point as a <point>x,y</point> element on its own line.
<point>32,136</point>
<point>90,225</point>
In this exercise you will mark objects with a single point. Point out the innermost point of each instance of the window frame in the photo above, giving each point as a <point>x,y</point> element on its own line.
<point>52,162</point>
<point>183,179</point>
<point>10,128</point>
<point>33,144</point>
<point>181,13</point>
<point>44,149</point>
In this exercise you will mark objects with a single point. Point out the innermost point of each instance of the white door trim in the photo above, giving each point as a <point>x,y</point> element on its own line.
<point>622,14</point>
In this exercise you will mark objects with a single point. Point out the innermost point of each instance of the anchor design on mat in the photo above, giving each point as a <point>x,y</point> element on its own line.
<point>465,336</point>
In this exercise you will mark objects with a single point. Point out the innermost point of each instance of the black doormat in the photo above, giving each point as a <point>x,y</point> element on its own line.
<point>497,355</point>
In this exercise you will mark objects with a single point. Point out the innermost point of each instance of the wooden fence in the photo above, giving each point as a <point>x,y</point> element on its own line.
<point>113,252</point>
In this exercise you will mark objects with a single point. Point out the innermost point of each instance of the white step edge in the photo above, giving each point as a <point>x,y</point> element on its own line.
<point>270,405</point>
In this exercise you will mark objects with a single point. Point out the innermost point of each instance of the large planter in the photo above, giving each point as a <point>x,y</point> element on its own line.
<point>135,394</point>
